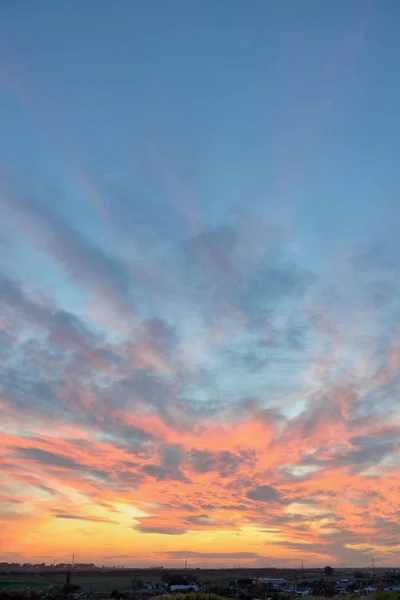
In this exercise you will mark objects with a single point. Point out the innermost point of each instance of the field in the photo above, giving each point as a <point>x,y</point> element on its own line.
<point>108,580</point>
<point>96,582</point>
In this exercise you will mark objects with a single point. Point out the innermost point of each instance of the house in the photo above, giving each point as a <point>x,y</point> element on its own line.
<point>303,590</point>
<point>190,587</point>
<point>274,582</point>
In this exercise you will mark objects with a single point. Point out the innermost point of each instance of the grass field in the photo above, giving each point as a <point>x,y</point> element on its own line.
<point>105,581</point>
<point>90,582</point>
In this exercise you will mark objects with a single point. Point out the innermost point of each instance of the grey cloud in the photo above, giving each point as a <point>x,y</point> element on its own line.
<point>172,457</point>
<point>160,529</point>
<point>254,407</point>
<point>160,333</point>
<point>198,520</point>
<point>126,480</point>
<point>212,251</point>
<point>75,517</point>
<point>389,525</point>
<point>324,407</point>
<point>285,519</point>
<point>255,290</point>
<point>74,347</point>
<point>156,334</point>
<point>252,360</point>
<point>376,257</point>
<point>52,459</point>
<point>264,493</point>
<point>362,458</point>
<point>271,283</point>
<point>365,452</point>
<point>162,473</point>
<point>104,476</point>
<point>225,463</point>
<point>177,505</point>
<point>275,281</point>
<point>47,458</point>
<point>379,294</point>
<point>38,381</point>
<point>115,556</point>
<point>140,387</point>
<point>25,391</point>
<point>47,489</point>
<point>169,466</point>
<point>6,344</point>
<point>65,329</point>
<point>36,389</point>
<point>9,514</point>
<point>216,555</point>
<point>233,507</point>
<point>83,261</point>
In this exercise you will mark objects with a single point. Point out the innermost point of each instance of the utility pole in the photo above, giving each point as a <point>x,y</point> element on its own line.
<point>294,585</point>
<point>258,594</point>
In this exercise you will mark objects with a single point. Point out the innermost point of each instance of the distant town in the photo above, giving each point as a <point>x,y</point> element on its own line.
<point>76,581</point>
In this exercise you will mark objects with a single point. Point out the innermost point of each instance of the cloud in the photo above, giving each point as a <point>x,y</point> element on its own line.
<point>264,493</point>
<point>224,463</point>
<point>68,337</point>
<point>116,556</point>
<point>253,290</point>
<point>210,555</point>
<point>164,408</point>
<point>90,518</point>
<point>162,473</point>
<point>81,259</point>
<point>160,529</point>
<point>169,467</point>
<point>212,251</point>
<point>47,458</point>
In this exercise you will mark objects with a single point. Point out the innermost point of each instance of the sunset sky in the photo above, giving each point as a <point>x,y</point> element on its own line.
<point>199,282</point>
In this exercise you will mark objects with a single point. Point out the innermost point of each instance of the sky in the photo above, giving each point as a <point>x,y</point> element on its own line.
<point>199,282</point>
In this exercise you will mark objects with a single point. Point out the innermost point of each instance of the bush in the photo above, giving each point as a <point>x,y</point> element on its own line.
<point>358,575</point>
<point>177,578</point>
<point>70,588</point>
<point>202,596</point>
<point>385,596</point>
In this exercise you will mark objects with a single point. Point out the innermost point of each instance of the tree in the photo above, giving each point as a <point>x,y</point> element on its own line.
<point>328,570</point>
<point>166,576</point>
<point>358,575</point>
<point>137,584</point>
<point>70,588</point>
<point>173,578</point>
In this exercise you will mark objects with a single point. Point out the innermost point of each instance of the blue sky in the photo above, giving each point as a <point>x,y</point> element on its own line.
<point>199,229</point>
